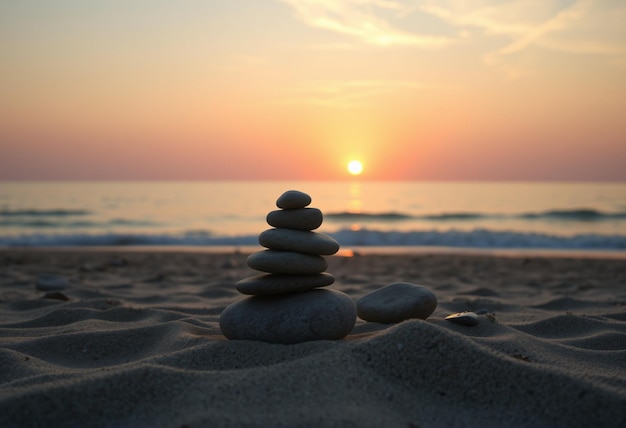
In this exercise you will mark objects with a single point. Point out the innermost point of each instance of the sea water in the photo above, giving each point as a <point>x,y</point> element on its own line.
<point>585,216</point>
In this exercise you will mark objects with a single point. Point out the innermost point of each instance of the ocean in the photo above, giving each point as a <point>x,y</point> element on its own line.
<point>481,215</point>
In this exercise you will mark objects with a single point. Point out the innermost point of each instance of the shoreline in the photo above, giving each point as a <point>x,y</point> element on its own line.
<point>348,251</point>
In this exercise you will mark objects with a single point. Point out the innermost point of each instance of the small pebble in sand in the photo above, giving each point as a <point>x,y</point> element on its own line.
<point>118,261</point>
<point>396,302</point>
<point>293,199</point>
<point>482,312</point>
<point>463,318</point>
<point>230,264</point>
<point>50,282</point>
<point>55,295</point>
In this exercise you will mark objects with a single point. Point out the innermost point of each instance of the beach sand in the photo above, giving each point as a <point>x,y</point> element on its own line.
<point>134,340</point>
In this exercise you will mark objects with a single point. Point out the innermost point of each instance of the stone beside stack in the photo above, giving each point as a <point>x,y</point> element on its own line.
<point>397,302</point>
<point>288,303</point>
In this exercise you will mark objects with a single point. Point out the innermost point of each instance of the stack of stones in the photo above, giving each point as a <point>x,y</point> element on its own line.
<point>287,303</point>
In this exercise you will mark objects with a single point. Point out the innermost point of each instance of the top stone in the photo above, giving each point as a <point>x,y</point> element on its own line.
<point>293,199</point>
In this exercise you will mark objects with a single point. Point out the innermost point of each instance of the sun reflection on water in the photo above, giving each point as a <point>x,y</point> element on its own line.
<point>356,203</point>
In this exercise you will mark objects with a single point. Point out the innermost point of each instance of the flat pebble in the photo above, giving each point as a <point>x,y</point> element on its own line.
<point>464,318</point>
<point>290,318</point>
<point>296,218</point>
<point>56,295</point>
<point>270,283</point>
<point>50,282</point>
<point>396,302</point>
<point>287,262</point>
<point>293,199</point>
<point>300,241</point>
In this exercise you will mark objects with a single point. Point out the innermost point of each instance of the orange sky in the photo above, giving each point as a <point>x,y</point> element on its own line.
<point>294,89</point>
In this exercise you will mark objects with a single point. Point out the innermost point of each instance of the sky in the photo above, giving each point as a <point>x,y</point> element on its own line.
<point>295,89</point>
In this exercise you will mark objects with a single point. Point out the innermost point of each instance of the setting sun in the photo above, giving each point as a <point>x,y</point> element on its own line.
<point>355,167</point>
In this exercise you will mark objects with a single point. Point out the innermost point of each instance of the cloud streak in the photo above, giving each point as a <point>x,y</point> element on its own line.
<point>348,93</point>
<point>365,21</point>
<point>588,27</point>
<point>579,27</point>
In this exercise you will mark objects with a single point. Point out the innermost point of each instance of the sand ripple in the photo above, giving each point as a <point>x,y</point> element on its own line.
<point>139,345</point>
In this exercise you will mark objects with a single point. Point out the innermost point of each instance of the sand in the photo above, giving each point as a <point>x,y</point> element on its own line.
<point>135,341</point>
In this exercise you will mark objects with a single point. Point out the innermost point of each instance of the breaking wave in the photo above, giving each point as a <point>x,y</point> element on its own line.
<point>478,238</point>
<point>43,213</point>
<point>581,214</point>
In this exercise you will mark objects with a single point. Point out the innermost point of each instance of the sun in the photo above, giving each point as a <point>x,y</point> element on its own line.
<point>355,167</point>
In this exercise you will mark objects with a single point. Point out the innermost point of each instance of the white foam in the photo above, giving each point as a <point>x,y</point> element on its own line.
<point>479,238</point>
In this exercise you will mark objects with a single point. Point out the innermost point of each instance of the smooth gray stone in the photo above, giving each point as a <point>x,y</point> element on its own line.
<point>56,295</point>
<point>290,318</point>
<point>297,218</point>
<point>300,241</point>
<point>293,199</point>
<point>286,262</point>
<point>49,282</point>
<point>270,283</point>
<point>397,302</point>
<point>464,318</point>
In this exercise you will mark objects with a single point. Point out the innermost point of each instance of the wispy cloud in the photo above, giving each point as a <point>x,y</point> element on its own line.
<point>367,21</point>
<point>347,93</point>
<point>590,27</point>
<point>577,27</point>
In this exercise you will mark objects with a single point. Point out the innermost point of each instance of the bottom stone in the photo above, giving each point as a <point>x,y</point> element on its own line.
<point>290,318</point>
